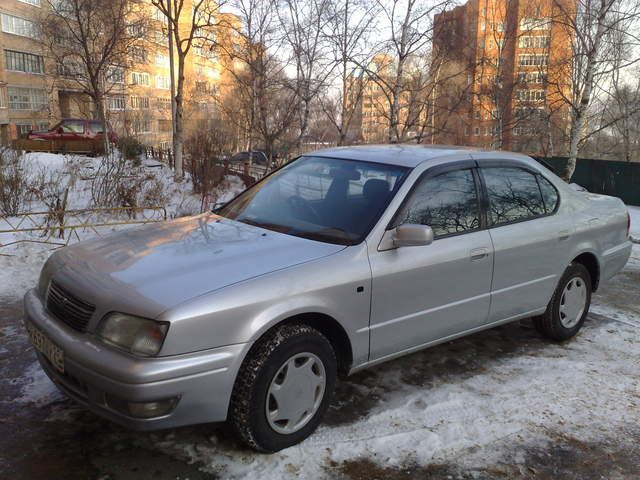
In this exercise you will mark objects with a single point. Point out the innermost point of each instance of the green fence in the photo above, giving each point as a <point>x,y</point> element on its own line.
<point>619,179</point>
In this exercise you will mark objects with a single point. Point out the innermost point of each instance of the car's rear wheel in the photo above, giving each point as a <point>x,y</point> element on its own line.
<point>569,305</point>
<point>283,388</point>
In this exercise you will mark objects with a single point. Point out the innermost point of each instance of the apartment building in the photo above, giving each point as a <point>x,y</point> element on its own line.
<point>369,95</point>
<point>35,92</point>
<point>27,99</point>
<point>504,67</point>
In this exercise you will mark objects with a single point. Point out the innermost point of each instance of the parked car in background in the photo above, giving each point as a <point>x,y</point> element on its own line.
<point>340,260</point>
<point>256,157</point>
<point>74,129</point>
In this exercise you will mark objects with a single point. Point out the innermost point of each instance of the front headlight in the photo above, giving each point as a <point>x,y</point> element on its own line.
<point>137,335</point>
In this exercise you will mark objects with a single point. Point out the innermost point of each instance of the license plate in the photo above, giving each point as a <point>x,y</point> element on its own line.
<point>44,345</point>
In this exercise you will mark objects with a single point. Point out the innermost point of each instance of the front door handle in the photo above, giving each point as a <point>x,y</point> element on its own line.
<point>478,253</point>
<point>564,234</point>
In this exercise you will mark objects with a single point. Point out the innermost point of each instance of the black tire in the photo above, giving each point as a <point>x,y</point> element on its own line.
<point>550,323</point>
<point>247,412</point>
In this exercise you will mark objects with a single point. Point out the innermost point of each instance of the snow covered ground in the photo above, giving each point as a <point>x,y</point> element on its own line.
<point>635,222</point>
<point>20,262</point>
<point>503,403</point>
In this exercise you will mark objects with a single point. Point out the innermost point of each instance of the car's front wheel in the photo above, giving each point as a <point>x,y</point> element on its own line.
<point>283,388</point>
<point>569,305</point>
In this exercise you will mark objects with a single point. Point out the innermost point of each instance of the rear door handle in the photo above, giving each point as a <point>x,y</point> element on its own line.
<point>478,253</point>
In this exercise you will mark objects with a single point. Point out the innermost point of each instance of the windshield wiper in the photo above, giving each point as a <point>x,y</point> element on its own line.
<point>269,226</point>
<point>331,234</point>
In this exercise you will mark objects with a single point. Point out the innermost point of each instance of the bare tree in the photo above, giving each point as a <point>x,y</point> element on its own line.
<point>410,23</point>
<point>347,32</point>
<point>89,41</point>
<point>303,25</point>
<point>263,99</point>
<point>598,29</point>
<point>188,21</point>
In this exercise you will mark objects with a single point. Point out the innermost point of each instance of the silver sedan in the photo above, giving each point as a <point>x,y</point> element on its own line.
<point>342,259</point>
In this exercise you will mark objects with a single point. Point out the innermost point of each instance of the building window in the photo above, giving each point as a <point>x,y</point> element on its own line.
<point>162,60</point>
<point>117,102</point>
<point>530,95</point>
<point>23,128</point>
<point>70,67</point>
<point>466,131</point>
<point>115,74</point>
<point>164,103</point>
<point>531,113</point>
<point>532,77</point>
<point>19,26</point>
<point>43,126</point>
<point>23,62</point>
<point>26,98</point>
<point>138,54</point>
<point>533,60</point>
<point>140,78</point>
<point>531,23</point>
<point>163,81</point>
<point>35,3</point>
<point>534,42</point>
<point>3,104</point>
<point>476,131</point>
<point>202,87</point>
<point>140,103</point>
<point>141,125</point>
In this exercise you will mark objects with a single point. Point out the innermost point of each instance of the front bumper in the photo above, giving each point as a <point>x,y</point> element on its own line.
<point>202,380</point>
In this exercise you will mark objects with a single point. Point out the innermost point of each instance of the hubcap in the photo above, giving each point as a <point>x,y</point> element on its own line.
<point>295,393</point>
<point>573,302</point>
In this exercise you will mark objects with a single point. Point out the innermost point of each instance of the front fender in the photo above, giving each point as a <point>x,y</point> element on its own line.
<point>243,312</point>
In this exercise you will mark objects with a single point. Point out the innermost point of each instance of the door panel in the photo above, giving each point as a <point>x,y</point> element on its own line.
<point>529,259</point>
<point>530,247</point>
<point>422,294</point>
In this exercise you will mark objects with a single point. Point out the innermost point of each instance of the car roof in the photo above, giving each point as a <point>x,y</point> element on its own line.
<point>408,155</point>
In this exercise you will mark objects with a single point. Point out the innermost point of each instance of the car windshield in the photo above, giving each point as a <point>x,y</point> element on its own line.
<point>325,199</point>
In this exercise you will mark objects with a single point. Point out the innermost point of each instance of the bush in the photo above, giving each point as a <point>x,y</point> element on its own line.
<point>14,184</point>
<point>203,151</point>
<point>131,148</point>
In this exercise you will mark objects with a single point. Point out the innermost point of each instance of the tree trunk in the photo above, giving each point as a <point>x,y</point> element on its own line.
<point>178,139</point>
<point>577,126</point>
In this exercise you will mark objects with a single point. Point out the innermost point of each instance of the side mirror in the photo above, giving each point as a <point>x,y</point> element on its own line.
<point>59,130</point>
<point>412,235</point>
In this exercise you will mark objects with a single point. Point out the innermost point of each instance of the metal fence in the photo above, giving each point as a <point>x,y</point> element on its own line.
<point>619,179</point>
<point>59,228</point>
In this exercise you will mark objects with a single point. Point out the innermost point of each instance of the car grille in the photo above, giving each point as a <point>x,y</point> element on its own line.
<point>68,308</point>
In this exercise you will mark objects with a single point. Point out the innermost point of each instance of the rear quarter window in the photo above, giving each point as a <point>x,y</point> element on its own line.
<point>549,194</point>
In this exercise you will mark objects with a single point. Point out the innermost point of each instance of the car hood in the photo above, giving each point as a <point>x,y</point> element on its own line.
<point>147,269</point>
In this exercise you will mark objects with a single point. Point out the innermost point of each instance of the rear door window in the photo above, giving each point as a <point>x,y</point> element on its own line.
<point>514,195</point>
